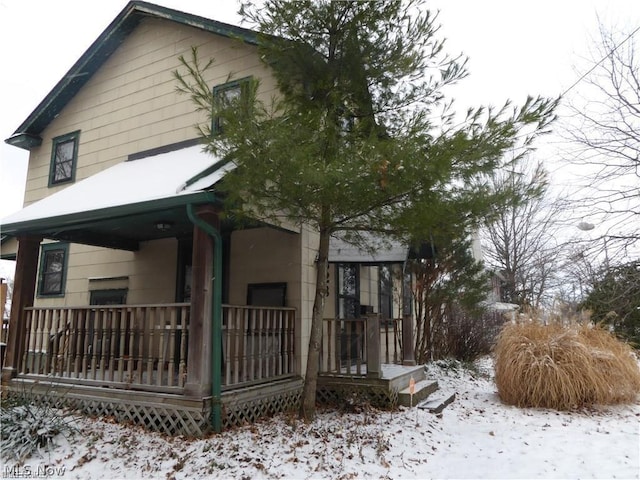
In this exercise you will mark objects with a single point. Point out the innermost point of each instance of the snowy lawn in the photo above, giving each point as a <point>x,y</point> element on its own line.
<point>475,437</point>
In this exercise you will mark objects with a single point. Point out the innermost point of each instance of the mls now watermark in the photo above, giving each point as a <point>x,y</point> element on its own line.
<point>29,471</point>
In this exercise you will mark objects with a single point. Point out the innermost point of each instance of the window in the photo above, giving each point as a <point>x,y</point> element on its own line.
<point>223,96</point>
<point>267,294</point>
<point>348,291</point>
<point>111,296</point>
<point>386,293</point>
<point>53,265</point>
<point>63,158</point>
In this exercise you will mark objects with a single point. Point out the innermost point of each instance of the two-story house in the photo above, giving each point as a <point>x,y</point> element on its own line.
<point>133,297</point>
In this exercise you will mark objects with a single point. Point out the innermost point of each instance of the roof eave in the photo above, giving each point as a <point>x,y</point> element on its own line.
<point>24,140</point>
<point>78,219</point>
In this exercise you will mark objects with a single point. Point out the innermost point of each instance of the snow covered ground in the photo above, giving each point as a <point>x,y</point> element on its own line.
<point>475,437</point>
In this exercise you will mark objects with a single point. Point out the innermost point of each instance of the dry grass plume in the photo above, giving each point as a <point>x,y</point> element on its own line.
<point>564,367</point>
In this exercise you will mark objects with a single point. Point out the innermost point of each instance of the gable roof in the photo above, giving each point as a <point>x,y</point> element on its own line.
<point>27,135</point>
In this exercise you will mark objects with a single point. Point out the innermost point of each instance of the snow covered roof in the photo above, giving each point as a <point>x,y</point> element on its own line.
<point>166,177</point>
<point>382,251</point>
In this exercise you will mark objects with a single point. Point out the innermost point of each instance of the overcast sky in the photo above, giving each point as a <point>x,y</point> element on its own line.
<point>516,48</point>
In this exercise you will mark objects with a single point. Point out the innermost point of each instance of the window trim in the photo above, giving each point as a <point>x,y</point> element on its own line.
<point>44,250</point>
<point>75,137</point>
<point>242,83</point>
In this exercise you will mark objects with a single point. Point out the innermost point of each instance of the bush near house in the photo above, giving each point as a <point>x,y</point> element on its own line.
<point>30,424</point>
<point>564,367</point>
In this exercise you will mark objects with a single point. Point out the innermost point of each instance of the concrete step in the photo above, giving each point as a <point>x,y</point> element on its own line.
<point>423,389</point>
<point>399,376</point>
<point>437,402</point>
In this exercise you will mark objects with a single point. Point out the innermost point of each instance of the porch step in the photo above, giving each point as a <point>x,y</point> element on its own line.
<point>437,402</point>
<point>423,389</point>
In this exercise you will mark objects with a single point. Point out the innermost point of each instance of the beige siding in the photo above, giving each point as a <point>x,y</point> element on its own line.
<point>148,274</point>
<point>9,247</point>
<point>369,286</point>
<point>131,105</point>
<point>310,241</point>
<point>264,255</point>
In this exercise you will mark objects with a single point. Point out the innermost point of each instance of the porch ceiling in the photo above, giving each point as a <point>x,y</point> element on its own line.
<point>133,201</point>
<point>378,250</point>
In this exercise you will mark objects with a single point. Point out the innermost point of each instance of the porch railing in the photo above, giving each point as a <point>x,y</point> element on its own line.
<point>118,345</point>
<point>391,340</point>
<point>258,343</point>
<point>145,347</point>
<point>343,349</point>
<point>344,345</point>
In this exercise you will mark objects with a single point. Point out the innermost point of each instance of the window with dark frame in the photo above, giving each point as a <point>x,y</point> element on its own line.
<point>224,95</point>
<point>110,296</point>
<point>63,158</point>
<point>53,264</point>
<point>267,294</point>
<point>407,294</point>
<point>348,290</point>
<point>386,294</point>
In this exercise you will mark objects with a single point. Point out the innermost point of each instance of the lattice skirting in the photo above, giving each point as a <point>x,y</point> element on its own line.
<point>248,405</point>
<point>172,414</point>
<point>169,420</point>
<point>379,396</point>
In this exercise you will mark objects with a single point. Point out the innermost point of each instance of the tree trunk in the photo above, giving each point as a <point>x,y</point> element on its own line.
<point>308,405</point>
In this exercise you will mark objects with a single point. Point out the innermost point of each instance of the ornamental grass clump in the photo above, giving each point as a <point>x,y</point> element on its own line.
<point>564,367</point>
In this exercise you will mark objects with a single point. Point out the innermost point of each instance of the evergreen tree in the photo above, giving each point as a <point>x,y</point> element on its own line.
<point>614,299</point>
<point>448,289</point>
<point>360,137</point>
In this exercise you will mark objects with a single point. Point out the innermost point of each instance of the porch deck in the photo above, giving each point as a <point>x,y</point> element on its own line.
<point>381,392</point>
<point>134,362</point>
<point>352,356</point>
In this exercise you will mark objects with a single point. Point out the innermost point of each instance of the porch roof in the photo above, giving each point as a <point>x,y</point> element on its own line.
<point>146,191</point>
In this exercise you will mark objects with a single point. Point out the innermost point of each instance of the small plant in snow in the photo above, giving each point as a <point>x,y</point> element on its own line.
<point>30,426</point>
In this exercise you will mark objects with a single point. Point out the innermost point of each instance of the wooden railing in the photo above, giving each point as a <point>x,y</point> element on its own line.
<point>343,350</point>
<point>258,343</point>
<point>344,345</point>
<point>391,340</point>
<point>133,346</point>
<point>145,347</point>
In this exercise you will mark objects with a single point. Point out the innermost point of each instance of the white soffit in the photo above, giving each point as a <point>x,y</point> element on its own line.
<point>382,251</point>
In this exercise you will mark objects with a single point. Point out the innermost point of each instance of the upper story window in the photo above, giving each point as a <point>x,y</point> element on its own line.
<point>53,269</point>
<point>226,94</point>
<point>63,158</point>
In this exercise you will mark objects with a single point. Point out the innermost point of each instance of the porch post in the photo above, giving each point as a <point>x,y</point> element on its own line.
<point>373,346</point>
<point>408,357</point>
<point>199,345</point>
<point>24,287</point>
